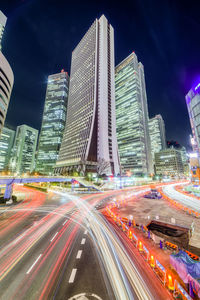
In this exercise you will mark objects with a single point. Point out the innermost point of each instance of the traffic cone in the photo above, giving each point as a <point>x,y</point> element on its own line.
<point>170,283</point>
<point>130,234</point>
<point>123,227</point>
<point>140,246</point>
<point>152,261</point>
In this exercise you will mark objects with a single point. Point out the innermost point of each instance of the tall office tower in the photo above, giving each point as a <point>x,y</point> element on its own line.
<point>90,131</point>
<point>193,106</point>
<point>53,123</point>
<point>6,144</point>
<point>6,78</point>
<point>23,154</point>
<point>157,134</point>
<point>132,117</point>
<point>3,20</point>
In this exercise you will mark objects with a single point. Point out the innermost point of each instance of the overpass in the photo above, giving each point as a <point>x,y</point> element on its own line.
<point>9,181</point>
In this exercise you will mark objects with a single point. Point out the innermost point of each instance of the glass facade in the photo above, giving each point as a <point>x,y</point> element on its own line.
<point>6,144</point>
<point>193,106</point>
<point>53,122</point>
<point>168,162</point>
<point>90,131</point>
<point>23,154</point>
<point>132,117</point>
<point>157,134</point>
<point>3,20</point>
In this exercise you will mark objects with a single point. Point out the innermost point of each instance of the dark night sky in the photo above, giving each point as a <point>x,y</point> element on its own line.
<point>165,35</point>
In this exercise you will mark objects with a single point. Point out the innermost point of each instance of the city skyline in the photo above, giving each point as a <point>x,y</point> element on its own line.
<point>159,101</point>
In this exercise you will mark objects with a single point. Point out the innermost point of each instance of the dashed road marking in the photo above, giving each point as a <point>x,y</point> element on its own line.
<point>65,222</point>
<point>78,256</point>
<point>85,232</point>
<point>35,262</point>
<point>83,241</point>
<point>54,236</point>
<point>72,276</point>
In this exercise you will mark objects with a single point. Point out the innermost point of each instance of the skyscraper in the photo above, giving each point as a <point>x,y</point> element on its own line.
<point>90,131</point>
<point>193,106</point>
<point>157,134</point>
<point>132,117</point>
<point>6,78</point>
<point>53,122</point>
<point>3,20</point>
<point>6,144</point>
<point>24,148</point>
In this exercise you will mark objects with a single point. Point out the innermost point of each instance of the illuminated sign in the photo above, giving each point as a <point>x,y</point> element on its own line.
<point>193,155</point>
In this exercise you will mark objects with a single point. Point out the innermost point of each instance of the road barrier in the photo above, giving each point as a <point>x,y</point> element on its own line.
<point>180,206</point>
<point>150,259</point>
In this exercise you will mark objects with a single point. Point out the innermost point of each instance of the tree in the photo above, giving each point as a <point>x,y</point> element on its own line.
<point>103,166</point>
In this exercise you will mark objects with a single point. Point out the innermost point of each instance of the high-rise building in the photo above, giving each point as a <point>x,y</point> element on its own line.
<point>53,122</point>
<point>6,144</point>
<point>132,117</point>
<point>3,20</point>
<point>168,162</point>
<point>90,131</point>
<point>24,148</point>
<point>157,134</point>
<point>193,106</point>
<point>6,78</point>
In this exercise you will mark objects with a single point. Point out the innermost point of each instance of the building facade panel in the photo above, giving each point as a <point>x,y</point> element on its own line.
<point>23,155</point>
<point>168,162</point>
<point>132,117</point>
<point>157,135</point>
<point>6,145</point>
<point>193,106</point>
<point>89,134</point>
<point>6,84</point>
<point>53,122</point>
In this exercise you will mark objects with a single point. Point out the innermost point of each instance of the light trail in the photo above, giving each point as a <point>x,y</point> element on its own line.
<point>189,201</point>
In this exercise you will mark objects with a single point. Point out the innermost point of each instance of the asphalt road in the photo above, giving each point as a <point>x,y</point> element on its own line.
<point>189,201</point>
<point>58,246</point>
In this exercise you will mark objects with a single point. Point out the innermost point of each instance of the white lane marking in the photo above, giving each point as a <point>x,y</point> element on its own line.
<point>83,241</point>
<point>65,222</point>
<point>19,238</point>
<point>85,232</point>
<point>54,236</point>
<point>35,262</point>
<point>72,276</point>
<point>79,254</point>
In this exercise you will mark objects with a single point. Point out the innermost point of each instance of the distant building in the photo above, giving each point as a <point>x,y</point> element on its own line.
<point>53,122</point>
<point>157,134</point>
<point>3,20</point>
<point>168,162</point>
<point>90,132</point>
<point>132,117</point>
<point>185,160</point>
<point>23,154</point>
<point>6,145</point>
<point>193,106</point>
